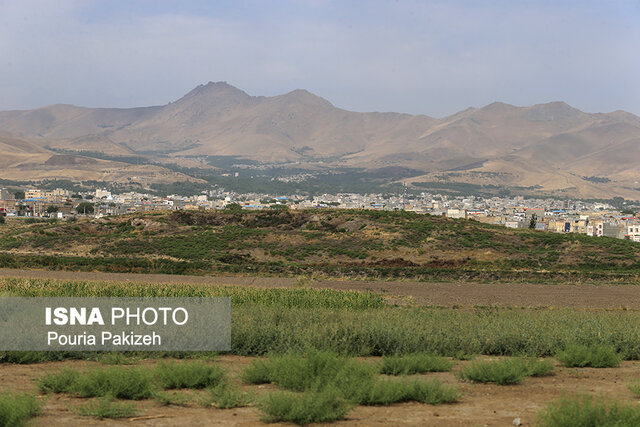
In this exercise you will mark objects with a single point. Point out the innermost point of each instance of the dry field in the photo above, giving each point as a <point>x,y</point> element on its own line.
<point>480,404</point>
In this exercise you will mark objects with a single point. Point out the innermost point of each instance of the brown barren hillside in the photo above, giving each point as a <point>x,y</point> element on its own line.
<point>552,147</point>
<point>22,159</point>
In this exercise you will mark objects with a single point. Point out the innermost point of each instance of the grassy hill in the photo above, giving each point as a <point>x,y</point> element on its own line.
<point>320,243</point>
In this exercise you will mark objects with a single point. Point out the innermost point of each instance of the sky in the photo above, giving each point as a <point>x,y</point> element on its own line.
<point>419,57</point>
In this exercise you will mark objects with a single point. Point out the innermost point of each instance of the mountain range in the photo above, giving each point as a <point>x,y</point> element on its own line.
<point>548,148</point>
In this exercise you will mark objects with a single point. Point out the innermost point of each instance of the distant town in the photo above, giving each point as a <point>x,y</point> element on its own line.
<point>598,219</point>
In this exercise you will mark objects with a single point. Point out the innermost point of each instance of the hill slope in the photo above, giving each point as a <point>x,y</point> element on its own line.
<point>355,244</point>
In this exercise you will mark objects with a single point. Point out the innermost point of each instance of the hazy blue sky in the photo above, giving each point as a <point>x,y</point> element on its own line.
<point>430,57</point>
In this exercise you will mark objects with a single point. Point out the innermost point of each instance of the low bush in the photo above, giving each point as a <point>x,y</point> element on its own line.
<point>58,382</point>
<point>107,407</point>
<point>309,371</point>
<point>600,356</point>
<point>540,368</point>
<point>171,398</point>
<point>506,371</point>
<point>386,392</point>
<point>194,375</point>
<point>258,372</point>
<point>303,408</point>
<point>118,382</point>
<point>586,411</point>
<point>225,396</point>
<point>634,388</point>
<point>16,409</point>
<point>414,364</point>
<point>356,381</point>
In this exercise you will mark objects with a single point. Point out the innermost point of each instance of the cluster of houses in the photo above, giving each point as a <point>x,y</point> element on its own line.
<point>560,216</point>
<point>597,223</point>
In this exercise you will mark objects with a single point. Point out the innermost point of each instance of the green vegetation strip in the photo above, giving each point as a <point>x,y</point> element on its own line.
<point>134,383</point>
<point>280,297</point>
<point>277,321</point>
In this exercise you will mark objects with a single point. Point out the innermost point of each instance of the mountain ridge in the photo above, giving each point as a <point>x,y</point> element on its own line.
<point>218,119</point>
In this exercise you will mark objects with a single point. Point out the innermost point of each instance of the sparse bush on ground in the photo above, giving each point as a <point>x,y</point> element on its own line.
<point>107,407</point>
<point>16,409</point>
<point>226,396</point>
<point>356,381</point>
<point>599,356</point>
<point>387,391</point>
<point>258,372</point>
<point>540,368</point>
<point>587,411</point>
<point>506,371</point>
<point>414,364</point>
<point>634,388</point>
<point>303,408</point>
<point>59,382</point>
<point>193,374</point>
<point>118,382</point>
<point>167,398</point>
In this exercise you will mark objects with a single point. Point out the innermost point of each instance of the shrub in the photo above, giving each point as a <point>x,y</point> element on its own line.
<point>586,411</point>
<point>171,398</point>
<point>58,382</point>
<point>540,368</point>
<point>355,381</point>
<point>106,407</point>
<point>258,372</point>
<point>118,382</point>
<point>303,408</point>
<point>414,364</point>
<point>310,371</point>
<point>634,388</point>
<point>386,392</point>
<point>600,356</point>
<point>226,396</point>
<point>196,375</point>
<point>507,371</point>
<point>16,409</point>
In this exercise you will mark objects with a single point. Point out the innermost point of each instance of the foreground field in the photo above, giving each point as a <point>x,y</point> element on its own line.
<point>480,404</point>
<point>327,350</point>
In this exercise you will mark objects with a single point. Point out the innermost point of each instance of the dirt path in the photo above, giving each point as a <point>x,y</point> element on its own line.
<point>438,294</point>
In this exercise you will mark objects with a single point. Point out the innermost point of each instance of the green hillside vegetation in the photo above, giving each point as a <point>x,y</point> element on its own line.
<point>325,243</point>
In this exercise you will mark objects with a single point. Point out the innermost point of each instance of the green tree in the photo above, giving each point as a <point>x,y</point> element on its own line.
<point>19,195</point>
<point>279,207</point>
<point>533,221</point>
<point>85,208</point>
<point>234,207</point>
<point>52,209</point>
<point>2,219</point>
